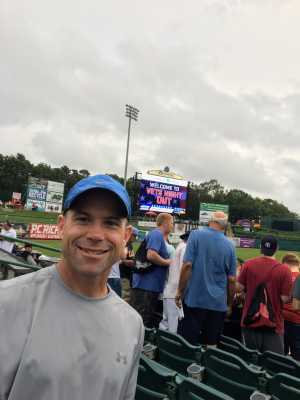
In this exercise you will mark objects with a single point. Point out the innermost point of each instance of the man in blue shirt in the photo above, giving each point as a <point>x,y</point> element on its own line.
<point>147,286</point>
<point>207,275</point>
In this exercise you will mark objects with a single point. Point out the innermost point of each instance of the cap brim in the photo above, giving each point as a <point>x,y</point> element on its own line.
<point>125,210</point>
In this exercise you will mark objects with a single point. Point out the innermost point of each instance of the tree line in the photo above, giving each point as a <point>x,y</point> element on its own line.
<point>15,170</point>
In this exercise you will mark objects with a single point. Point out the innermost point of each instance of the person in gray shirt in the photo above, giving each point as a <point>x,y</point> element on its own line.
<point>64,334</point>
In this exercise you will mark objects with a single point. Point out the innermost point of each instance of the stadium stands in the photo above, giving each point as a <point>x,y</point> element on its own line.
<point>230,374</point>
<point>274,363</point>
<point>175,352</point>
<point>283,386</point>
<point>233,346</point>
<point>226,375</point>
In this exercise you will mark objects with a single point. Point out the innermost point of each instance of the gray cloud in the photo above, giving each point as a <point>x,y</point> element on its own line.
<point>219,95</point>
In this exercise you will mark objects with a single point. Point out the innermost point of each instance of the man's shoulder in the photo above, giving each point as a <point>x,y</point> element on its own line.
<point>155,234</point>
<point>257,263</point>
<point>129,313</point>
<point>254,261</point>
<point>13,289</point>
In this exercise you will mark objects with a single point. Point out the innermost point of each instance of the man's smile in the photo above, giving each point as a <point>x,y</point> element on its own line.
<point>92,251</point>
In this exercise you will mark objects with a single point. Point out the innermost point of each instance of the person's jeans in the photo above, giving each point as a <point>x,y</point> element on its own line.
<point>292,339</point>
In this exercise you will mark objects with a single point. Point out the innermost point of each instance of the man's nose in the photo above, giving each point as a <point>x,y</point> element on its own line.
<point>96,232</point>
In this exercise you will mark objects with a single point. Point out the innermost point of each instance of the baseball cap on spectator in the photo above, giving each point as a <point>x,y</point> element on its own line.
<point>220,218</point>
<point>268,245</point>
<point>135,231</point>
<point>105,182</point>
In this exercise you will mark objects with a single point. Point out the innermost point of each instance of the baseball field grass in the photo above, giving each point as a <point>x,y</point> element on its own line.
<point>244,254</point>
<point>27,216</point>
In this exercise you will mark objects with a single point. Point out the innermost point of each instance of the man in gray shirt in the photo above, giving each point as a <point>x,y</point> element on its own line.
<point>64,334</point>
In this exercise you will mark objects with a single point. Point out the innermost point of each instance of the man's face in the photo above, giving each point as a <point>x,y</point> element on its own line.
<point>169,225</point>
<point>93,233</point>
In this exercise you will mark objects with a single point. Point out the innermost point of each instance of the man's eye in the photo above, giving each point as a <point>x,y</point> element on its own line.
<point>112,222</point>
<point>82,219</point>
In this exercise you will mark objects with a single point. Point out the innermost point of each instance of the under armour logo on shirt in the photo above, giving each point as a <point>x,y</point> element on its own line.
<point>121,358</point>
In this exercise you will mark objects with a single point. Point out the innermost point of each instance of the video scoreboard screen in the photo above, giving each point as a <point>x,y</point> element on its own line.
<point>163,194</point>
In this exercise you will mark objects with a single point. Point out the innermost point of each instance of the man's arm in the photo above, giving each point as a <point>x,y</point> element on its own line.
<point>296,295</point>
<point>286,285</point>
<point>231,282</point>
<point>231,278</point>
<point>285,299</point>
<point>156,259</point>
<point>185,275</point>
<point>296,304</point>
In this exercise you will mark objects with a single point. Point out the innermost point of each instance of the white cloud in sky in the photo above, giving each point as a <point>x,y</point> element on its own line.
<point>217,83</point>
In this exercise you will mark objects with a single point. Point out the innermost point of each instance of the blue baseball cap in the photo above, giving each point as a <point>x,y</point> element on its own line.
<point>99,182</point>
<point>135,231</point>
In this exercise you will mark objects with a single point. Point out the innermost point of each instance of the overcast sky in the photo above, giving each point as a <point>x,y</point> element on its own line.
<point>217,83</point>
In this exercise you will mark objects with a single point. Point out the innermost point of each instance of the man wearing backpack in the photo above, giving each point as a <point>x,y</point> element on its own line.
<point>148,285</point>
<point>267,284</point>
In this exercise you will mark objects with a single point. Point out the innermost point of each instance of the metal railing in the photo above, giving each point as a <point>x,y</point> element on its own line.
<point>33,244</point>
<point>19,264</point>
<point>11,260</point>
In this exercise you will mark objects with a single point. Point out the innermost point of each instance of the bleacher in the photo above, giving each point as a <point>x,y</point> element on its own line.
<point>230,371</point>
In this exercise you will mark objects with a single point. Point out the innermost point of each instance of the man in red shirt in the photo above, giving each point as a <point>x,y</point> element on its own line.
<point>292,316</point>
<point>276,279</point>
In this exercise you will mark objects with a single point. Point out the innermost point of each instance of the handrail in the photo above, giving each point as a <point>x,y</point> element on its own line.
<point>34,244</point>
<point>20,264</point>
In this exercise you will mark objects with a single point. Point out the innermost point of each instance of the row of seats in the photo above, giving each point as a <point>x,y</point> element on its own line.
<point>178,353</point>
<point>272,363</point>
<point>228,373</point>
<point>156,381</point>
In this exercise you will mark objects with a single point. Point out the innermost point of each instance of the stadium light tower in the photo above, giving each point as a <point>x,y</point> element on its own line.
<point>131,113</point>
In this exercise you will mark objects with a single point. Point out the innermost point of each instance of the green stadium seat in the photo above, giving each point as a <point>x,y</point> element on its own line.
<point>143,393</point>
<point>230,374</point>
<point>150,336</point>
<point>175,352</point>
<point>284,387</point>
<point>156,378</point>
<point>188,389</point>
<point>233,346</point>
<point>274,363</point>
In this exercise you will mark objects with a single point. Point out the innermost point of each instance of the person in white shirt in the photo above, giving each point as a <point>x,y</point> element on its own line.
<point>8,231</point>
<point>170,311</point>
<point>114,279</point>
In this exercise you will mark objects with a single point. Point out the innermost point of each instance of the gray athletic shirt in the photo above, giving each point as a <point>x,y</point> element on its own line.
<point>58,345</point>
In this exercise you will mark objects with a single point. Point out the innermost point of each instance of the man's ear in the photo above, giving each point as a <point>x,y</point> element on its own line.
<point>128,233</point>
<point>60,224</point>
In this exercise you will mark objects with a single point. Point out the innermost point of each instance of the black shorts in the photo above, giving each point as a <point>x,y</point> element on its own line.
<point>145,303</point>
<point>201,326</point>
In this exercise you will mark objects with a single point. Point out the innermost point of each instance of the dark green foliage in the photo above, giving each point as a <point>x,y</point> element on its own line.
<point>15,170</point>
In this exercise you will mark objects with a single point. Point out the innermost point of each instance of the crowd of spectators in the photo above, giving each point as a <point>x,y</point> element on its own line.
<point>206,291</point>
<point>66,322</point>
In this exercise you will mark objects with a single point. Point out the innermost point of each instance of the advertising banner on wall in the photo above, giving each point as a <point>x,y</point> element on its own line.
<point>247,242</point>
<point>35,205</point>
<point>163,194</point>
<point>206,210</point>
<point>43,195</point>
<point>16,196</point>
<point>44,231</point>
